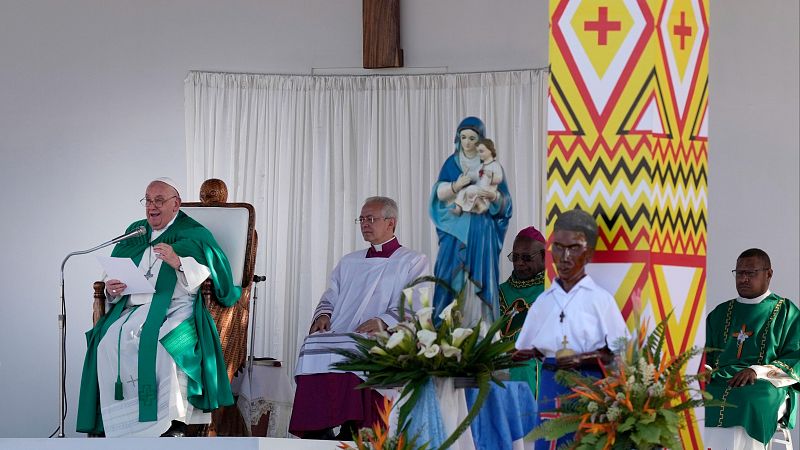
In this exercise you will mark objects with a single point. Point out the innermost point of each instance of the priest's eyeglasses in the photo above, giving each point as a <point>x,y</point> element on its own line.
<point>524,257</point>
<point>158,202</point>
<point>749,274</point>
<point>369,219</point>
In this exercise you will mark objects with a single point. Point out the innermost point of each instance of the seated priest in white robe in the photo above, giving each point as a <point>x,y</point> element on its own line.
<point>571,324</point>
<point>362,297</point>
<point>154,362</point>
<point>756,338</point>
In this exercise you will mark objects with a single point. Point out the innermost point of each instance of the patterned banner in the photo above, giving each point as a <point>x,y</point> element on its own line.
<point>627,142</point>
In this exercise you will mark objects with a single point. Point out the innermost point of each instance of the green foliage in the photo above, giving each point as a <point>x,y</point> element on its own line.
<point>639,403</point>
<point>415,350</point>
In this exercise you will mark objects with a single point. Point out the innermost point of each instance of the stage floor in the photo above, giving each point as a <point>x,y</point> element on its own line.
<point>214,443</point>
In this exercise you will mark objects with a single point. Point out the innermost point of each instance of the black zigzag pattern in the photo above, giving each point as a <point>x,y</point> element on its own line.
<point>680,176</point>
<point>610,218</point>
<point>678,220</point>
<point>590,175</point>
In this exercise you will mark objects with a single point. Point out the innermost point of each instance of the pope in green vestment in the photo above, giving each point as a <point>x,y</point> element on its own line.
<point>756,354</point>
<point>191,339</point>
<point>519,292</point>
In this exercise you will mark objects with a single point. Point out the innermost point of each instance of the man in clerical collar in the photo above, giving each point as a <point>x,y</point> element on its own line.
<point>519,292</point>
<point>362,297</point>
<point>756,360</point>
<point>154,362</point>
<point>526,281</point>
<point>572,322</point>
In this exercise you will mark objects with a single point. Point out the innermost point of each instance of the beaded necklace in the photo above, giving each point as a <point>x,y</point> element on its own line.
<point>518,284</point>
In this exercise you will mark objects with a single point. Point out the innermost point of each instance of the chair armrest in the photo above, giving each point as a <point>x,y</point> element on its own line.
<point>206,290</point>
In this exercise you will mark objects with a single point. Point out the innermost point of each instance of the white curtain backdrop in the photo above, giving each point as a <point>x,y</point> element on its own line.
<point>307,150</point>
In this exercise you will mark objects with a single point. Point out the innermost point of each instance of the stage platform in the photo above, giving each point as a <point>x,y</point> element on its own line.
<point>211,443</point>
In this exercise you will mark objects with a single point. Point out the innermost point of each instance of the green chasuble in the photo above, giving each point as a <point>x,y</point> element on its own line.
<point>194,344</point>
<point>515,300</point>
<point>765,333</point>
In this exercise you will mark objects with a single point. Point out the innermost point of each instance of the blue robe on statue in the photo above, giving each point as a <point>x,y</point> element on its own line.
<point>469,244</point>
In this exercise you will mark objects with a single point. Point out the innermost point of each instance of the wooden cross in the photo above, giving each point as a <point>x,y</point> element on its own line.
<point>381,34</point>
<point>741,336</point>
<point>561,317</point>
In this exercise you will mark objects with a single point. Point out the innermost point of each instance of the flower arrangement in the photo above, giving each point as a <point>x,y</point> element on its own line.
<point>378,436</point>
<point>418,348</point>
<point>638,402</point>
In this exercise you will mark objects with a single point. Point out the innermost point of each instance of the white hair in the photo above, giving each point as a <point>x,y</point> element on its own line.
<point>389,206</point>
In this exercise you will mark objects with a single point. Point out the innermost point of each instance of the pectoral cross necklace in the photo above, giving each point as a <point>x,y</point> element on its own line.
<point>564,351</point>
<point>149,273</point>
<point>741,336</point>
<point>563,315</point>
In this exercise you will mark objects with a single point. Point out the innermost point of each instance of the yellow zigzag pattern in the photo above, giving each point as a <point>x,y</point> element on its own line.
<point>638,165</point>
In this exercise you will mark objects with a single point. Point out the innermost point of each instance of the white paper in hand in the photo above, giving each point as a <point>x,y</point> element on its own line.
<point>124,270</point>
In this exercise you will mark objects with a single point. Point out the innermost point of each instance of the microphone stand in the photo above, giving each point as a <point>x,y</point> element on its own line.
<point>250,356</point>
<point>62,328</point>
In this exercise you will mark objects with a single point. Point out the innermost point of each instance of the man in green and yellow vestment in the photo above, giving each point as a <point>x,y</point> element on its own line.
<point>519,291</point>
<point>154,361</point>
<point>756,338</point>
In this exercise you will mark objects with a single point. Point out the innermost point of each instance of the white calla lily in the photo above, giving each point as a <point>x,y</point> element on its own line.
<point>425,317</point>
<point>424,296</point>
<point>430,351</point>
<point>447,312</point>
<point>396,338</point>
<point>376,350</point>
<point>426,337</point>
<point>451,352</point>
<point>460,334</point>
<point>409,294</point>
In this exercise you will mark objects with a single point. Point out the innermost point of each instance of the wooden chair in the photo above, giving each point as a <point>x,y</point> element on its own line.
<point>233,226</point>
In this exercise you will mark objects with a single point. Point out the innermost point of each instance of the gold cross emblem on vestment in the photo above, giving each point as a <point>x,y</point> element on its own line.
<point>741,336</point>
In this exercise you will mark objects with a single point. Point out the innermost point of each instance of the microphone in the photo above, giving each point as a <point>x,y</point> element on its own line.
<point>138,231</point>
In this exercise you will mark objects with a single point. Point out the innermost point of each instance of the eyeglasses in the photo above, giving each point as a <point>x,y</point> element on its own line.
<point>747,273</point>
<point>158,202</point>
<point>524,257</point>
<point>369,219</point>
<point>564,251</point>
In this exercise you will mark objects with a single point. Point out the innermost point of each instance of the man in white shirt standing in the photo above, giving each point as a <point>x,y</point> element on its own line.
<point>571,324</point>
<point>362,297</point>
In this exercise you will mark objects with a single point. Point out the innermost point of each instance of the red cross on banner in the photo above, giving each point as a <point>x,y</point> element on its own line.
<point>682,30</point>
<point>602,25</point>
